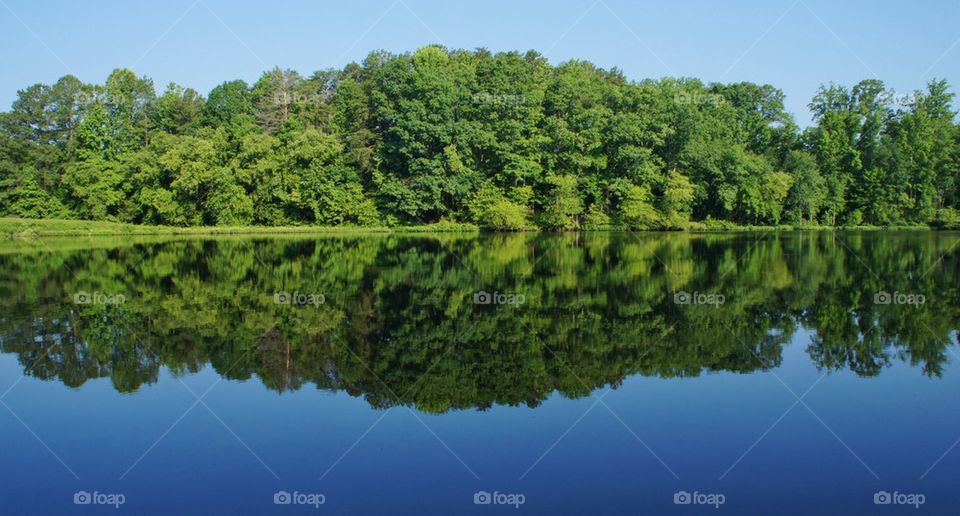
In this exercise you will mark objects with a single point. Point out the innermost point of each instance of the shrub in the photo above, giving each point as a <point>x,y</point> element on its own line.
<point>505,215</point>
<point>947,218</point>
<point>637,211</point>
<point>596,218</point>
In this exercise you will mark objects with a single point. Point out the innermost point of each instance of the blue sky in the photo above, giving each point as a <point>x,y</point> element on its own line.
<point>795,45</point>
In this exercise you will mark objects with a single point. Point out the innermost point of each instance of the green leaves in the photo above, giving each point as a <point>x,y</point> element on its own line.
<point>178,110</point>
<point>95,188</point>
<point>562,203</point>
<point>503,140</point>
<point>489,208</point>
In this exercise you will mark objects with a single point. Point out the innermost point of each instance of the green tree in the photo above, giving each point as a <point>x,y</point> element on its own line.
<point>562,204</point>
<point>808,191</point>
<point>178,110</point>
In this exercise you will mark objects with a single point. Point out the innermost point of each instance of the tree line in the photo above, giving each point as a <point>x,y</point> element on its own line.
<point>502,140</point>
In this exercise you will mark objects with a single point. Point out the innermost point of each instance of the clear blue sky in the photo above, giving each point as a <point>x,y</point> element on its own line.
<point>202,43</point>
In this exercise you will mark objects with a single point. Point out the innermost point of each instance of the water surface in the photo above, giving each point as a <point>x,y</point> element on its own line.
<point>586,373</point>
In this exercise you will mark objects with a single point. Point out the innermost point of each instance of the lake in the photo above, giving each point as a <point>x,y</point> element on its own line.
<point>582,373</point>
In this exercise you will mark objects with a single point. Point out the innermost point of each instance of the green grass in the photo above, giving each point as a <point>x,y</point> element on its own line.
<point>31,228</point>
<point>24,229</point>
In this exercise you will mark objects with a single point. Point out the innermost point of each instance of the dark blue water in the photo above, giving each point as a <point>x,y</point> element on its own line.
<point>734,435</point>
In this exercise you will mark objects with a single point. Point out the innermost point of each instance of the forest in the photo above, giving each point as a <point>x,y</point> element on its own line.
<point>503,140</point>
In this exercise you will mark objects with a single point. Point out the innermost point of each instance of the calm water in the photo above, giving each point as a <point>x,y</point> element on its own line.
<point>579,373</point>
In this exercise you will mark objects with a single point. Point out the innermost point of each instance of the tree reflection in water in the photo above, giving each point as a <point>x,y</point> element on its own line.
<point>399,322</point>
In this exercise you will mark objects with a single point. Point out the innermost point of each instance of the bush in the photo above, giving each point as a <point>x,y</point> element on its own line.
<point>637,211</point>
<point>947,218</point>
<point>855,218</point>
<point>505,215</point>
<point>443,226</point>
<point>711,224</point>
<point>595,218</point>
<point>562,205</point>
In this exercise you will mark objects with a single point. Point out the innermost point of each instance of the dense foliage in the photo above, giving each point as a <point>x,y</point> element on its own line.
<point>399,324</point>
<point>502,140</point>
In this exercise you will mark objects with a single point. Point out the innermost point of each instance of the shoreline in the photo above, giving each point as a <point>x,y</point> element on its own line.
<point>27,229</point>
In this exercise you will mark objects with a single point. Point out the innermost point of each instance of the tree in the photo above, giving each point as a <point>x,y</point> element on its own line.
<point>230,105</point>
<point>636,208</point>
<point>178,110</point>
<point>504,140</point>
<point>23,197</point>
<point>276,98</point>
<point>808,191</point>
<point>128,102</point>
<point>562,204</point>
<point>676,203</point>
<point>490,208</point>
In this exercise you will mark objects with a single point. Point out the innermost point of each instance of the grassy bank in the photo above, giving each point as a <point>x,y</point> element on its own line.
<point>15,228</point>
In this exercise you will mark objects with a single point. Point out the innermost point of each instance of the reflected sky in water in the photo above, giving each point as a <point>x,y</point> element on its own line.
<point>600,393</point>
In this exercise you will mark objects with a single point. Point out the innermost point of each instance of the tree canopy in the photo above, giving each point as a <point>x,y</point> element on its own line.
<point>504,140</point>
